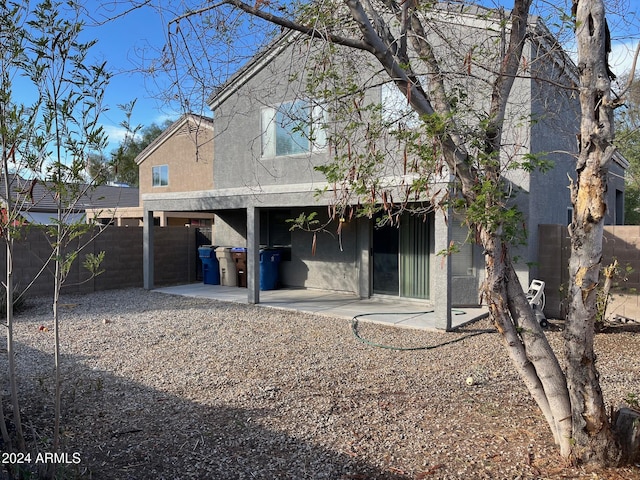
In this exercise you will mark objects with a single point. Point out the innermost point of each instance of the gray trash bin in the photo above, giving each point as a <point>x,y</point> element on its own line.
<point>228,274</point>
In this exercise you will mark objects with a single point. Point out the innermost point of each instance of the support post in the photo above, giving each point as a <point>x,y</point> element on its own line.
<point>253,255</point>
<point>442,271</point>
<point>147,249</point>
<point>364,263</point>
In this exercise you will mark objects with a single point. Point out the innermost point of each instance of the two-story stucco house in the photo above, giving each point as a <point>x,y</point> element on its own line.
<point>265,173</point>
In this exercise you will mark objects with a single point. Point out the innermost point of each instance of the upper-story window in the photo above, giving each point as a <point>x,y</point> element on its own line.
<point>160,176</point>
<point>293,128</point>
<point>396,111</point>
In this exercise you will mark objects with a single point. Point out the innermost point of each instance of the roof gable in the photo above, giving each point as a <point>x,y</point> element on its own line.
<point>187,123</point>
<point>490,16</point>
<point>256,64</point>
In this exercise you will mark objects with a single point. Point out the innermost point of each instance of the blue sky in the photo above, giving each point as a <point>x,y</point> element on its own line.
<point>121,43</point>
<point>125,41</point>
<point>625,34</point>
<point>134,40</point>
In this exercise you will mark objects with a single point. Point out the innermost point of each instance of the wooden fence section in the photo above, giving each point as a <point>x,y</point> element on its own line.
<point>621,242</point>
<point>175,260</point>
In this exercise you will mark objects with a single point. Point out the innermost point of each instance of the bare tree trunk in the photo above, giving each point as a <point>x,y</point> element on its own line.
<point>593,438</point>
<point>529,351</point>
<point>11,354</point>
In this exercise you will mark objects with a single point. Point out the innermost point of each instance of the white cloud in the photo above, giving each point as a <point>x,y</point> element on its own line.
<point>621,57</point>
<point>163,117</point>
<point>115,133</point>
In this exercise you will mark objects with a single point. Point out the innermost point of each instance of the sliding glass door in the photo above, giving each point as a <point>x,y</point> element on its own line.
<point>385,252</point>
<point>401,257</point>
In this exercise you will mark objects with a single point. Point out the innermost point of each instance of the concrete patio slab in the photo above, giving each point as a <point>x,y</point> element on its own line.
<point>396,312</point>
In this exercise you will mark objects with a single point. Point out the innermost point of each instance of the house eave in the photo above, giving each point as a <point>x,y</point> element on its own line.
<point>207,122</point>
<point>620,160</point>
<point>251,69</point>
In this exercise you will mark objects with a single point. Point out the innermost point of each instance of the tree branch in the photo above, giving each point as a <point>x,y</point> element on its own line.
<point>633,72</point>
<point>282,22</point>
<point>509,68</point>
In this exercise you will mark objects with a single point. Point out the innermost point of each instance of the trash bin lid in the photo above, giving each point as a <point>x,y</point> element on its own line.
<point>223,249</point>
<point>238,249</point>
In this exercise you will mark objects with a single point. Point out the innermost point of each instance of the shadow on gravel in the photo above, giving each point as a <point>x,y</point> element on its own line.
<point>121,430</point>
<point>113,304</point>
<point>619,326</point>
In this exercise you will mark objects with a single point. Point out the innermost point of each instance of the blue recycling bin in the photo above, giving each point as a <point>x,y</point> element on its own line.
<point>269,268</point>
<point>210,265</point>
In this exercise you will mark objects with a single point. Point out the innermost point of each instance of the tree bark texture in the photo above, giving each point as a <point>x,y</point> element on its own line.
<point>592,437</point>
<point>525,341</point>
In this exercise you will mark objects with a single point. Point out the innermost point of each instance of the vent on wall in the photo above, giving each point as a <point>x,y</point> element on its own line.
<point>188,129</point>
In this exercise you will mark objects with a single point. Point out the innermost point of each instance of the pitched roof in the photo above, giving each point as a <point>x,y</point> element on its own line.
<point>37,196</point>
<point>199,120</point>
<point>110,196</point>
<point>251,68</point>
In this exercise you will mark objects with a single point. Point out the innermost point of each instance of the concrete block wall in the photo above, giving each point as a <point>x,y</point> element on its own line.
<point>622,242</point>
<point>175,260</point>
<point>175,255</point>
<point>123,258</point>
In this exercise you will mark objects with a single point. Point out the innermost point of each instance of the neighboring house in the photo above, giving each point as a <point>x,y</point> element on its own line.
<point>113,205</point>
<point>264,175</point>
<point>179,160</point>
<point>36,203</point>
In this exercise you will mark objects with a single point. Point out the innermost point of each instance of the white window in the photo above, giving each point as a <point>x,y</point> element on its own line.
<point>462,260</point>
<point>293,128</point>
<point>396,111</point>
<point>160,175</point>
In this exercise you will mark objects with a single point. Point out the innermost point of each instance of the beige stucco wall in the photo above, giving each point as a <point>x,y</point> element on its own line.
<point>188,153</point>
<point>121,217</point>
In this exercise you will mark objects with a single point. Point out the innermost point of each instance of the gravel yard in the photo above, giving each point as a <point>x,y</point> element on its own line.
<point>158,386</point>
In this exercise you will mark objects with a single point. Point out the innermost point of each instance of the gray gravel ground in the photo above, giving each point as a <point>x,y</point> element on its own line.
<point>164,387</point>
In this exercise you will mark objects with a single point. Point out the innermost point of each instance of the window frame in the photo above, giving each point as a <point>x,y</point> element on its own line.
<point>160,169</point>
<point>462,261</point>
<point>397,114</point>
<point>275,126</point>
